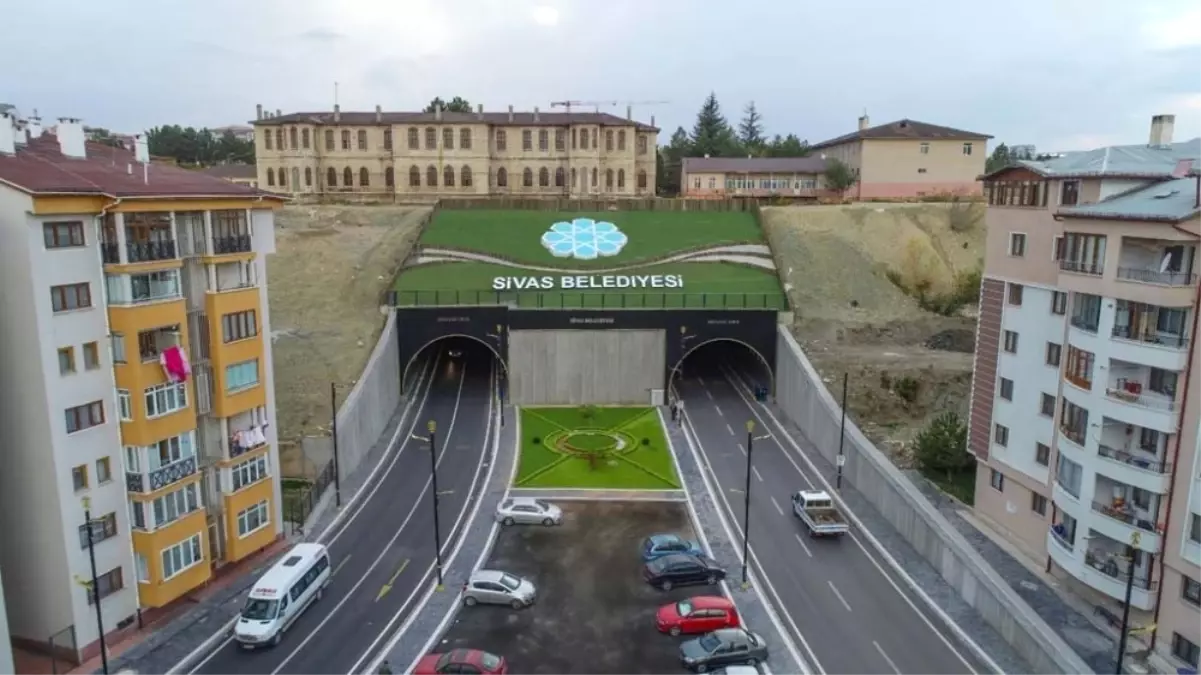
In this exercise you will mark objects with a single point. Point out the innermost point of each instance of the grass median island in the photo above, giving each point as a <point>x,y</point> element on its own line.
<point>596,448</point>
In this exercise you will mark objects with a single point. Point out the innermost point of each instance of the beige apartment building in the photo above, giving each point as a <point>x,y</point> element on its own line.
<point>448,154</point>
<point>907,158</point>
<point>798,178</point>
<point>1085,409</point>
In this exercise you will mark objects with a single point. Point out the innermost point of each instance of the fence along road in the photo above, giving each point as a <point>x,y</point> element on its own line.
<point>380,551</point>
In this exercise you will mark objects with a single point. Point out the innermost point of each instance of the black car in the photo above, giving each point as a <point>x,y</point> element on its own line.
<point>682,569</point>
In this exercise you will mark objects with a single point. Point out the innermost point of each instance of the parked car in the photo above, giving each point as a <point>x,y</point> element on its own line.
<point>682,569</point>
<point>737,670</point>
<point>462,661</point>
<point>700,614</point>
<point>491,587</point>
<point>528,511</point>
<point>725,647</point>
<point>659,545</point>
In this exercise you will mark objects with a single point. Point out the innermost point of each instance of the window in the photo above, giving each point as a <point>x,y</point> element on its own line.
<point>331,177</point>
<point>362,138</point>
<point>1059,303</point>
<point>448,176</point>
<point>1046,405</point>
<point>85,416</point>
<point>527,178</point>
<point>641,179</point>
<point>106,584</point>
<point>642,145</point>
<point>103,528</point>
<point>63,234</point>
<point>70,297</point>
<point>502,177</point>
<point>1015,295</point>
<point>1069,193</point>
<point>1038,503</point>
<point>1073,422</point>
<point>253,519</point>
<point>997,480</point>
<point>387,139</point>
<point>1068,476</point>
<point>431,176</point>
<point>295,178</point>
<point>1086,311</point>
<point>308,176</point>
<point>347,177</point>
<point>414,137</point>
<point>1081,253</point>
<point>1006,389</point>
<point>1042,454</point>
<point>329,139</point>
<point>1011,342</point>
<point>543,177</point>
<point>608,140</point>
<point>239,326</point>
<point>608,179</point>
<point>621,140</point>
<point>79,477</point>
<point>249,472</point>
<point>414,176</point>
<point>66,360</point>
<point>594,174</point>
<point>364,177</point>
<point>267,144</point>
<point>175,505</point>
<point>104,470</point>
<point>431,138</point>
<point>621,179</point>
<point>1017,244</point>
<point>116,345</point>
<point>1194,528</point>
<point>182,556</point>
<point>346,139</point>
<point>91,355</point>
<point>1054,351</point>
<point>165,399</point>
<point>1000,435</point>
<point>527,140</point>
<point>574,178</point>
<point>560,139</point>
<point>1185,649</point>
<point>501,142</point>
<point>163,453</point>
<point>923,148</point>
<point>543,140</point>
<point>389,177</point>
<point>464,139</point>
<point>560,177</point>
<point>465,176</point>
<point>292,136</point>
<point>448,139</point>
<point>304,138</point>
<point>124,405</point>
<point>1079,367</point>
<point>279,139</point>
<point>967,148</point>
<point>242,375</point>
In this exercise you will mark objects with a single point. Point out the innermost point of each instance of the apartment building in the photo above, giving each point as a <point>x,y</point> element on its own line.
<point>723,177</point>
<point>449,154</point>
<point>137,382</point>
<point>1085,408</point>
<point>908,158</point>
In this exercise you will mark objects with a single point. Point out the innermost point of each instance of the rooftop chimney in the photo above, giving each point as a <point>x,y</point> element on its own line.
<point>34,124</point>
<point>1161,130</point>
<point>863,122</point>
<point>652,120</point>
<point>337,113</point>
<point>141,148</point>
<point>510,113</point>
<point>479,111</point>
<point>535,114</point>
<point>379,114</point>
<point>629,112</point>
<point>258,111</point>
<point>70,137</point>
<point>438,112</point>
<point>8,141</point>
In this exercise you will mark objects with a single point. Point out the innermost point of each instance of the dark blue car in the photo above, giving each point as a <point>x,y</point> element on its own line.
<point>658,545</point>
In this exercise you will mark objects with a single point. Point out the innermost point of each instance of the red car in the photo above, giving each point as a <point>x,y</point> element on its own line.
<point>701,614</point>
<point>461,661</point>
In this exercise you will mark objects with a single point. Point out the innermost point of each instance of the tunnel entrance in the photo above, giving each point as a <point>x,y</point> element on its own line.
<point>726,362</point>
<point>454,356</point>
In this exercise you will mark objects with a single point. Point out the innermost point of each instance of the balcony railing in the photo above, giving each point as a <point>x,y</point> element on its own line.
<point>1132,393</point>
<point>1085,383</point>
<point>1135,460</point>
<point>1109,565</point>
<point>1060,539</point>
<point>1081,267</point>
<point>135,482</point>
<point>147,251</point>
<point>234,244</point>
<point>1151,337</point>
<point>1087,323</point>
<point>1125,515</point>
<point>1073,435</point>
<point>1154,276</point>
<point>162,477</point>
<point>110,253</point>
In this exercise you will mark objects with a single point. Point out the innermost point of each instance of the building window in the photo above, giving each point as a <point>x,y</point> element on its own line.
<point>1038,503</point>
<point>1079,367</point>
<point>249,472</point>
<point>304,138</point>
<point>608,179</point>
<point>104,470</point>
<point>583,139</point>
<point>431,138</point>
<point>1006,389</point>
<point>1059,303</point>
<point>79,477</point>
<point>91,355</point>
<point>501,140</point>
<point>465,176</point>
<point>527,178</point>
<point>1194,529</point>
<point>543,140</point>
<point>63,234</point>
<point>253,519</point>
<point>1073,422</point>
<point>413,136</point>
<point>331,177</point>
<point>967,148</point>
<point>364,177</point>
<point>608,140</point>
<point>104,527</point>
<point>997,480</point>
<point>448,139</point>
<point>85,416</point>
<point>1000,435</point>
<point>292,135</point>
<point>464,139</point>
<point>175,505</point>
<point>70,297</point>
<point>66,360</point>
<point>414,176</point>
<point>1042,454</point>
<point>1017,244</point>
<point>560,177</point>
<point>1185,649</point>
<point>241,376</point>
<point>560,139</point>
<point>362,138</point>
<point>527,140</point>
<point>502,177</point>
<point>574,178</point>
<point>239,326</point>
<point>124,405</point>
<point>387,139</point>
<point>283,178</point>
<point>345,139</point>
<point>279,139</point>
<point>165,399</point>
<point>1046,405</point>
<point>642,145</point>
<point>923,148</point>
<point>267,144</point>
<point>1015,295</point>
<point>1054,351</point>
<point>295,178</point>
<point>1069,193</point>
<point>431,176</point>
<point>181,556</point>
<point>116,344</point>
<point>594,175</point>
<point>347,177</point>
<point>621,140</point>
<point>543,177</point>
<point>106,584</point>
<point>696,183</point>
<point>308,176</point>
<point>448,176</point>
<point>329,139</point>
<point>641,179</point>
<point>1011,342</point>
<point>621,179</point>
<point>1190,589</point>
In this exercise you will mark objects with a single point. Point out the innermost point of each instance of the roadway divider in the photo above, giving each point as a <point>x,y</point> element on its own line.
<point>805,401</point>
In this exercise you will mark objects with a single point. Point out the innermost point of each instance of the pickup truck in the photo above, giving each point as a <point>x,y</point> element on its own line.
<point>817,511</point>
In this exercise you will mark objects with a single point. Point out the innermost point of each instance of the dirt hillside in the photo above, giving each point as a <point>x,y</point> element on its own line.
<point>844,268</point>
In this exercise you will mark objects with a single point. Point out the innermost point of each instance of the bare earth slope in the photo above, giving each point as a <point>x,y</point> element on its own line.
<point>849,317</point>
<point>326,279</point>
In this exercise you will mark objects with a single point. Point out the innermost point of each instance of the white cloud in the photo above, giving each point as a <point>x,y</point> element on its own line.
<point>545,16</point>
<point>1173,31</point>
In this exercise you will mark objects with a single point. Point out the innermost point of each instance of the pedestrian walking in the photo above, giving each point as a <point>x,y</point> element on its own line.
<point>385,669</point>
<point>680,412</point>
<point>675,410</point>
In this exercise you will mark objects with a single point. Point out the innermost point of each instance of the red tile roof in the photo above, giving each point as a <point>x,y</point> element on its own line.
<point>524,119</point>
<point>231,171</point>
<point>906,129</point>
<point>40,168</point>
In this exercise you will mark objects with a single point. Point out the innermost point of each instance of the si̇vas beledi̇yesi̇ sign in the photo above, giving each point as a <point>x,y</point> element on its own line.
<point>586,239</point>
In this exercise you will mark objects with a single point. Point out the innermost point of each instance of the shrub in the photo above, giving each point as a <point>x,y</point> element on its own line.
<point>907,388</point>
<point>536,440</point>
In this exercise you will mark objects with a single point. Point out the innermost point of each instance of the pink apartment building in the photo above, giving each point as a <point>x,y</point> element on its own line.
<point>1086,397</point>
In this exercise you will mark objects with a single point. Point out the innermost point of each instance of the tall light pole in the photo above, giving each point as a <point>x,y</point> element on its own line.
<point>94,586</point>
<point>333,423</point>
<point>842,432</point>
<point>1131,548</point>
<point>746,511</point>
<point>433,429</point>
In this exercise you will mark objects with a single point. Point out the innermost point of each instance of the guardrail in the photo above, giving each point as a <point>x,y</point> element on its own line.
<point>587,300</point>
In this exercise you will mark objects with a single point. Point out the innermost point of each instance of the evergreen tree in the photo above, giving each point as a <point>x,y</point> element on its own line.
<point>999,159</point>
<point>457,104</point>
<point>712,135</point>
<point>750,131</point>
<point>671,161</point>
<point>787,146</point>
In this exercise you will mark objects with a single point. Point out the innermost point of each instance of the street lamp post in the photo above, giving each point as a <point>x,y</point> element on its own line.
<point>746,511</point>
<point>433,429</point>
<point>1130,554</point>
<point>842,432</point>
<point>333,417</point>
<point>94,587</point>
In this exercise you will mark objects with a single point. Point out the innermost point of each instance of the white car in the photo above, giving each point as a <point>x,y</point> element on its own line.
<point>528,511</point>
<point>490,587</point>
<point>737,670</point>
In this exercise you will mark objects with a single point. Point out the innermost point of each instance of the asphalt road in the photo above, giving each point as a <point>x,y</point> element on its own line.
<point>847,612</point>
<point>382,553</point>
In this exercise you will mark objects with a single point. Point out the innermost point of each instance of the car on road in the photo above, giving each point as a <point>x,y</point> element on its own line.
<point>818,513</point>
<point>282,594</point>
<point>682,569</point>
<point>701,614</point>
<point>737,670</point>
<point>462,661</point>
<point>725,647</point>
<point>528,511</point>
<point>492,587</point>
<point>455,353</point>
<point>659,545</point>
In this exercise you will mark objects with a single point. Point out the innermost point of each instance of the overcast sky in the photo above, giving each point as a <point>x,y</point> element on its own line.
<point>1062,74</point>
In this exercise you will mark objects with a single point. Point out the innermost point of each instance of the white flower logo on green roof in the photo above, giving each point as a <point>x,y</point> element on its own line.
<point>584,239</point>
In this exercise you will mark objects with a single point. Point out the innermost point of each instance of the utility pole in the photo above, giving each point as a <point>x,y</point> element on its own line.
<point>1131,550</point>
<point>333,417</point>
<point>433,428</point>
<point>94,587</point>
<point>746,511</point>
<point>842,433</point>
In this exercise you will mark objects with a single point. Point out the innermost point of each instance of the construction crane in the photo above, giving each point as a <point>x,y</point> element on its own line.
<point>596,105</point>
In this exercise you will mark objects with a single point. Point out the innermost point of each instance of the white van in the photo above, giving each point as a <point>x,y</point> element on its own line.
<point>282,594</point>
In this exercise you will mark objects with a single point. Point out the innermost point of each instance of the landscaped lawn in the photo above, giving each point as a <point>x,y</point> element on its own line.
<point>516,234</point>
<point>628,444</point>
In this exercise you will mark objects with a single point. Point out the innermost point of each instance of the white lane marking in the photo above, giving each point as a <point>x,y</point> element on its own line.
<point>758,475</point>
<point>454,417</point>
<point>890,662</point>
<point>489,430</point>
<point>777,505</point>
<point>339,566</point>
<point>880,550</point>
<point>718,409</point>
<point>840,598</point>
<point>803,546</point>
<point>730,429</point>
<point>344,518</point>
<point>742,448</point>
<point>707,392</point>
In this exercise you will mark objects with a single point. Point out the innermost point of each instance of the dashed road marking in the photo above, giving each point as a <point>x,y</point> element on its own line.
<point>777,505</point>
<point>840,598</point>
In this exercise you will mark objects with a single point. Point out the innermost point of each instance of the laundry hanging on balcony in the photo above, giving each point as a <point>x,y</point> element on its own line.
<point>175,364</point>
<point>242,441</point>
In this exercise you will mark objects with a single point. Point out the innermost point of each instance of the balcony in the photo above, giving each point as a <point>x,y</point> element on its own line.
<point>247,432</point>
<point>1157,261</point>
<point>139,289</point>
<point>160,478</point>
<point>1082,267</point>
<point>1154,276</point>
<point>110,253</point>
<point>152,343</point>
<point>233,276</point>
<point>231,244</point>
<point>1107,569</point>
<point>1141,395</point>
<point>161,464</point>
<point>149,251</point>
<point>1126,511</point>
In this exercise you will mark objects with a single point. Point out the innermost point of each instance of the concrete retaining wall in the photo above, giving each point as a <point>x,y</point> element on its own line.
<point>576,367</point>
<point>801,394</point>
